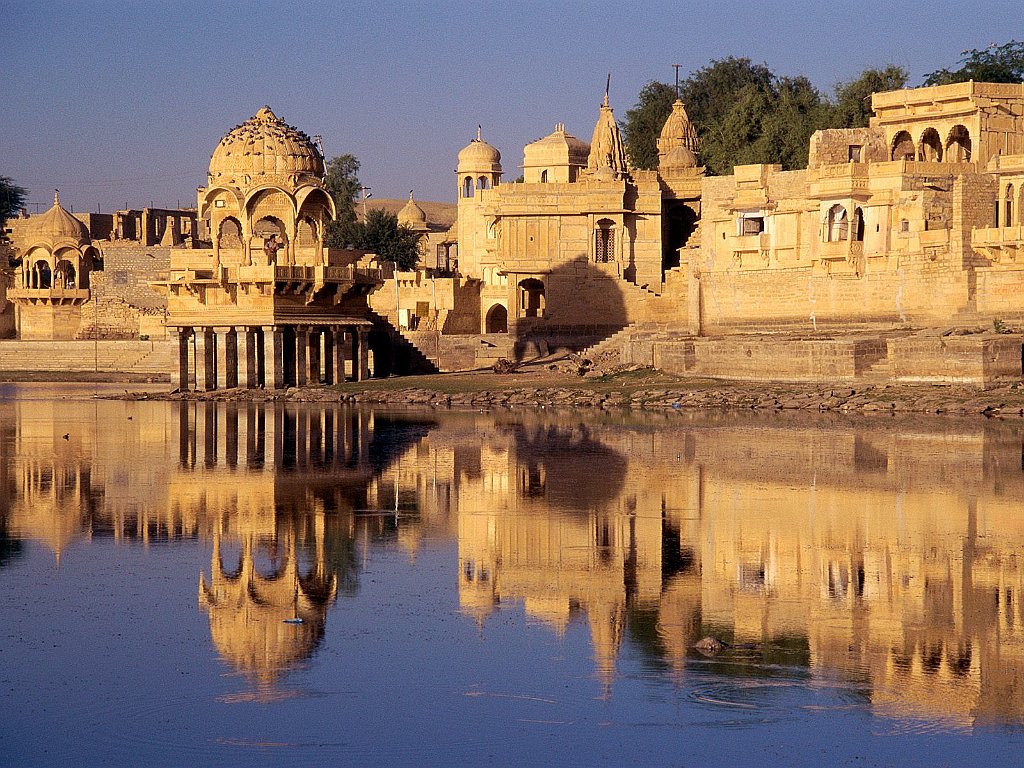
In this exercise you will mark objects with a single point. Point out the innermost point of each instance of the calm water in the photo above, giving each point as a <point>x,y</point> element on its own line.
<point>504,588</point>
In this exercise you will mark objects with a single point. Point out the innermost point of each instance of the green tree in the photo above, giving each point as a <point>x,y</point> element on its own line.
<point>12,200</point>
<point>995,64</point>
<point>342,183</point>
<point>852,105</point>
<point>643,123</point>
<point>381,233</point>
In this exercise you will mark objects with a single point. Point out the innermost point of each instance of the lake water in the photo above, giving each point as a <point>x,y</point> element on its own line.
<point>208,584</point>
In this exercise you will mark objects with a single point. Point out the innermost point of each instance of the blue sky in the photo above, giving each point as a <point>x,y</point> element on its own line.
<point>124,102</point>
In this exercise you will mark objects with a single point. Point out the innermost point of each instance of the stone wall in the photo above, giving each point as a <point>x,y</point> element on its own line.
<point>982,359</point>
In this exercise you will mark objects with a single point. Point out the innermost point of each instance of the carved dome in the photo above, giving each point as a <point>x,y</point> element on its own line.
<point>479,156</point>
<point>54,226</point>
<point>412,216</point>
<point>678,134</point>
<point>265,149</point>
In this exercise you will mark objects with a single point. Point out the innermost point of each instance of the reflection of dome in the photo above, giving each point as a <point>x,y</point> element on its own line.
<point>248,611</point>
<point>55,226</point>
<point>265,146</point>
<point>412,216</point>
<point>479,156</point>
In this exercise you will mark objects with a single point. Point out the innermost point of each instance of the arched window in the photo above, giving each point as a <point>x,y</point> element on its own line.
<point>497,319</point>
<point>930,149</point>
<point>306,231</point>
<point>958,145</point>
<point>64,274</point>
<point>858,225</point>
<point>1008,207</point>
<point>230,233</point>
<point>903,147</point>
<point>467,187</point>
<point>482,182</point>
<point>544,176</point>
<point>837,224</point>
<point>531,298</point>
<point>41,275</point>
<point>604,241</point>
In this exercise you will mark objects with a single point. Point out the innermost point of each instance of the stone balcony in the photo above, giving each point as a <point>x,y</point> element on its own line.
<point>1001,245</point>
<point>55,296</point>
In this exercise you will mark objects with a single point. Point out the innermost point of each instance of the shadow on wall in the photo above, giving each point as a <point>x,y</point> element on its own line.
<point>575,306</point>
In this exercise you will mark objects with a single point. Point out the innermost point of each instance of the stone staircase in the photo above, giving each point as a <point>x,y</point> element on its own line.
<point>407,357</point>
<point>139,358</point>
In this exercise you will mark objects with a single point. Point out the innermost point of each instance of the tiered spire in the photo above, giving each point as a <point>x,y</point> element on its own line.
<point>606,148</point>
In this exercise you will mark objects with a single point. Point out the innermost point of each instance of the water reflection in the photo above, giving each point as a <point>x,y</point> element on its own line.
<point>887,555</point>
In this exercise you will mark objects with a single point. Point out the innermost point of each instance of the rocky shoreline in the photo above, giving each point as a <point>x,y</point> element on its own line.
<point>636,393</point>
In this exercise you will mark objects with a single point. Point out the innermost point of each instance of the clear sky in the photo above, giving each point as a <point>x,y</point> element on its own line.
<point>124,102</point>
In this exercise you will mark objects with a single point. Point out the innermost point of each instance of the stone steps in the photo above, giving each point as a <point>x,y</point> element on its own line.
<point>135,357</point>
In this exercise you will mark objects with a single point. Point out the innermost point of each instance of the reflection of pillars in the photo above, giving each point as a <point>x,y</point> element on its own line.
<point>352,442</point>
<point>279,418</point>
<point>301,355</point>
<point>328,432</point>
<point>210,434</point>
<point>301,438</point>
<point>315,336</point>
<point>231,435</point>
<point>185,435</point>
<point>245,351</point>
<point>205,373</point>
<point>273,357</point>
<point>250,436</point>
<point>179,368</point>
<point>316,437</point>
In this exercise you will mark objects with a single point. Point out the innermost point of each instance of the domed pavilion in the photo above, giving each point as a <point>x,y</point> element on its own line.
<point>268,305</point>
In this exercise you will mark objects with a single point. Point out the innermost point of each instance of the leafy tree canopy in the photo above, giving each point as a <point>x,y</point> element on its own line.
<point>12,200</point>
<point>381,234</point>
<point>744,113</point>
<point>995,64</point>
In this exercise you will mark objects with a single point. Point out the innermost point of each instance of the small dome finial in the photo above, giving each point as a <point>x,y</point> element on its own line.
<point>479,132</point>
<point>410,194</point>
<point>56,197</point>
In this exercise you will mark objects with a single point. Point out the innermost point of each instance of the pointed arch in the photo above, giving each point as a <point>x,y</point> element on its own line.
<point>958,145</point>
<point>903,147</point>
<point>930,146</point>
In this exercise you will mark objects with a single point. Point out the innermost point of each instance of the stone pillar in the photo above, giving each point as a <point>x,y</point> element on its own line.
<point>338,356</point>
<point>315,335</point>
<point>245,352</point>
<point>301,355</point>
<point>223,349</point>
<point>273,357</point>
<point>364,356</point>
<point>357,353</point>
<point>179,366</point>
<point>205,341</point>
<point>330,372</point>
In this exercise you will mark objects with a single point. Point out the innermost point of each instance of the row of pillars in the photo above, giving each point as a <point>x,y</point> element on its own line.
<point>253,437</point>
<point>273,357</point>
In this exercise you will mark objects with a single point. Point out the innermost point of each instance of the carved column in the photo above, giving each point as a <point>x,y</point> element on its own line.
<point>273,357</point>
<point>315,335</point>
<point>330,375</point>
<point>338,363</point>
<point>227,358</point>
<point>179,366</point>
<point>206,377</point>
<point>364,357</point>
<point>301,355</point>
<point>245,339</point>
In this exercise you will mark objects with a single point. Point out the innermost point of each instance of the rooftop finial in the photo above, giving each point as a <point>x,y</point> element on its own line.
<point>607,87</point>
<point>676,67</point>
<point>479,132</point>
<point>410,194</point>
<point>56,197</point>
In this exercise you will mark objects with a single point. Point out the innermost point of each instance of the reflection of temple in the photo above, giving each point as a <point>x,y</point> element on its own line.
<point>267,610</point>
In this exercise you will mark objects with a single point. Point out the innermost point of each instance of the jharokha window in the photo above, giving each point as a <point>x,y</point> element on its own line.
<point>604,241</point>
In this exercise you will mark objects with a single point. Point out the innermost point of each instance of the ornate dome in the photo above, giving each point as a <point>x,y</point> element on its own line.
<point>265,149</point>
<point>678,131</point>
<point>56,225</point>
<point>478,155</point>
<point>678,159</point>
<point>412,215</point>
<point>606,148</point>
